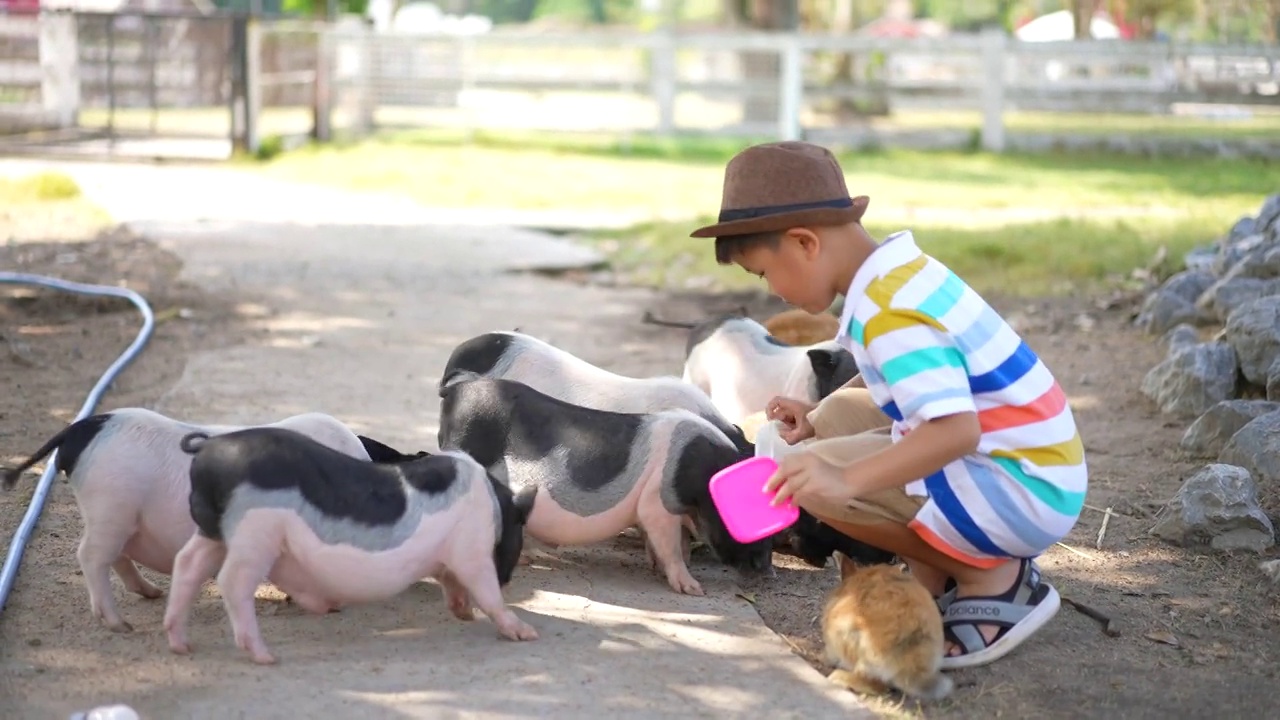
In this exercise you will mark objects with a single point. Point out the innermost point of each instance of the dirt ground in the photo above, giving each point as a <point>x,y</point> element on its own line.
<point>1196,633</point>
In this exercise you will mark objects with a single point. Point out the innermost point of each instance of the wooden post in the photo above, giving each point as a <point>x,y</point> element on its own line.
<point>662,76</point>
<point>790,88</point>
<point>59,68</point>
<point>322,101</point>
<point>993,61</point>
<point>366,94</point>
<point>252,84</point>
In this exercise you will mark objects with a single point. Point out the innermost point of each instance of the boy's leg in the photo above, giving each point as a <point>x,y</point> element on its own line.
<point>1008,591</point>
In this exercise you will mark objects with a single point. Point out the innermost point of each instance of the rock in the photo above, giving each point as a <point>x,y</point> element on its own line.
<point>1175,302</point>
<point>1217,507</point>
<point>1201,258</point>
<point>1210,432</point>
<point>1229,293</point>
<point>1256,448</point>
<point>1193,378</point>
<point>1273,381</point>
<point>1243,228</point>
<point>1182,336</point>
<point>1263,261</point>
<point>1253,330</point>
<point>1268,215</point>
<point>1230,253</point>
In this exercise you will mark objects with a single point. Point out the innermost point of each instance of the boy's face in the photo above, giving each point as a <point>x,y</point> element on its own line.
<point>793,270</point>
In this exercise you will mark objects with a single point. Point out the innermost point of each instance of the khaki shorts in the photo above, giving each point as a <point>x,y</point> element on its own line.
<point>848,426</point>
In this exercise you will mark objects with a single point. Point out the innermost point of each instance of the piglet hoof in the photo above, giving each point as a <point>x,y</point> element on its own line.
<point>682,582</point>
<point>252,644</point>
<point>461,609</point>
<point>120,626</point>
<point>257,651</point>
<point>151,592</point>
<point>178,644</point>
<point>513,628</point>
<point>263,658</point>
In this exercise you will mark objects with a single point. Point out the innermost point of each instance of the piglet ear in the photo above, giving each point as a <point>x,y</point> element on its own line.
<point>823,361</point>
<point>524,503</point>
<point>847,566</point>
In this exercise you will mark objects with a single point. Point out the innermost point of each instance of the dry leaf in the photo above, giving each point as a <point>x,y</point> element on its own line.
<point>1162,636</point>
<point>749,597</point>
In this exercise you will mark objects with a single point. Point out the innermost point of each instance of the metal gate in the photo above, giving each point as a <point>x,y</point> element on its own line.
<point>128,83</point>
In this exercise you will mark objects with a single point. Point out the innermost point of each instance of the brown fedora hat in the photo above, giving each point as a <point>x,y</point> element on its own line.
<point>781,185</point>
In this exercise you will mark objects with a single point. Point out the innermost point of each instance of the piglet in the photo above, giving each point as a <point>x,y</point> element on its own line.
<point>742,367</point>
<point>548,369</point>
<point>597,473</point>
<point>130,481</point>
<point>330,531</point>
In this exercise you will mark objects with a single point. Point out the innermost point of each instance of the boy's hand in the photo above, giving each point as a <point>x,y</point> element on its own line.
<point>807,477</point>
<point>793,414</point>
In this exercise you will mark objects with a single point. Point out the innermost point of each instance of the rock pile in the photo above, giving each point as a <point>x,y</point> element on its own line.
<point>1220,320</point>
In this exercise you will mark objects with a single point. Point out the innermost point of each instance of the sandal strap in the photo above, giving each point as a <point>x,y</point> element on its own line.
<point>965,633</point>
<point>963,615</point>
<point>985,611</point>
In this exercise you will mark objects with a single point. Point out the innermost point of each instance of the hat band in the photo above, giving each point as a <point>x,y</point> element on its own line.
<point>766,210</point>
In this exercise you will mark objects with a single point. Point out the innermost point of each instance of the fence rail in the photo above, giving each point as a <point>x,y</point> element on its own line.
<point>789,83</point>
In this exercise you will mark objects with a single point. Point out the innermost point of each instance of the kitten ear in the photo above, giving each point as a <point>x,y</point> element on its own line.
<point>847,566</point>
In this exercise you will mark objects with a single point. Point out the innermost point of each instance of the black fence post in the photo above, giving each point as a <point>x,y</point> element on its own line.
<point>239,101</point>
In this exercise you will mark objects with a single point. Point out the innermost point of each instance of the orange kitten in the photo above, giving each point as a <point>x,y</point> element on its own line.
<point>797,327</point>
<point>882,629</point>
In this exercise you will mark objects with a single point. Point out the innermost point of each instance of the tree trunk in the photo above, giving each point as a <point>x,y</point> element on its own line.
<point>1082,16</point>
<point>760,69</point>
<point>1272,30</point>
<point>842,24</point>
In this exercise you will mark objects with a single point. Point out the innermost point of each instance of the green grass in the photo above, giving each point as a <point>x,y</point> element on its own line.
<point>1019,259</point>
<point>45,206</point>
<point>1021,224</point>
<point>1263,123</point>
<point>38,188</point>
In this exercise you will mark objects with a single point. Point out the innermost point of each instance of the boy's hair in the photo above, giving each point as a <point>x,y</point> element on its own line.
<point>729,245</point>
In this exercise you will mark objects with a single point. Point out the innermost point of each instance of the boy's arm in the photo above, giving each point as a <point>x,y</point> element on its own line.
<point>929,383</point>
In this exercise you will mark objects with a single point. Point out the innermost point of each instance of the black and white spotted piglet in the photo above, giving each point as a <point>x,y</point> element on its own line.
<point>331,530</point>
<point>597,473</point>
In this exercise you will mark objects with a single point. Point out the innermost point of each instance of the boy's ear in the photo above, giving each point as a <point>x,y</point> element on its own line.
<point>860,204</point>
<point>806,239</point>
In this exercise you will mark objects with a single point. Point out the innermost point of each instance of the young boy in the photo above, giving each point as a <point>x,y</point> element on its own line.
<point>954,448</point>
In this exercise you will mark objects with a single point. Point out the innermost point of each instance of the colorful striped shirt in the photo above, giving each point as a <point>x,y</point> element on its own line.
<point>928,346</point>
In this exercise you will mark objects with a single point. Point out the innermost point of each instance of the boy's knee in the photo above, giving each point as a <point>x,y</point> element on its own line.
<point>847,411</point>
<point>752,423</point>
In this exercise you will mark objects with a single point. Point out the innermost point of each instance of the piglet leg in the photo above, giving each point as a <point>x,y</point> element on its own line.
<point>480,579</point>
<point>455,596</point>
<point>196,562</point>
<point>664,535</point>
<point>100,547</point>
<point>238,580</point>
<point>133,580</point>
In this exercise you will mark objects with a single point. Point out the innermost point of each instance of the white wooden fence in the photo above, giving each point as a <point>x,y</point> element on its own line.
<point>638,81</point>
<point>783,85</point>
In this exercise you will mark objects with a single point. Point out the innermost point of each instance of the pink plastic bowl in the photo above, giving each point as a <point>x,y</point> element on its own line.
<point>739,496</point>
